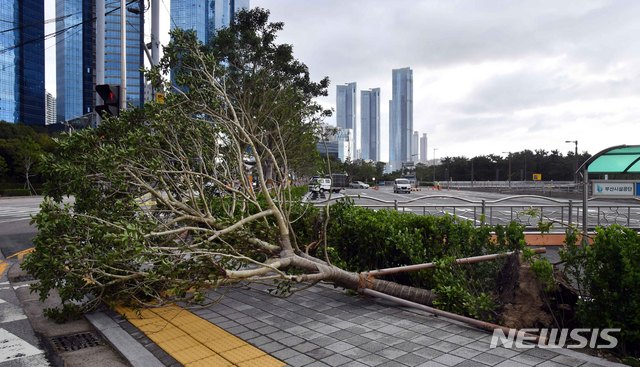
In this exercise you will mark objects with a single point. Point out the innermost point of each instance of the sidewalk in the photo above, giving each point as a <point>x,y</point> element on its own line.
<point>319,326</point>
<point>323,326</point>
<point>35,340</point>
<point>19,345</point>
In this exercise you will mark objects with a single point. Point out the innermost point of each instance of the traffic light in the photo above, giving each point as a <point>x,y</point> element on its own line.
<point>110,95</point>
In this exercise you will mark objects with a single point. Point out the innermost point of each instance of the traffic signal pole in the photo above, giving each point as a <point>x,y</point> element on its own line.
<point>99,49</point>
<point>123,54</point>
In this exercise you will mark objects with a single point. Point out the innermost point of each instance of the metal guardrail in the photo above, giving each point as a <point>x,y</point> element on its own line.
<point>560,212</point>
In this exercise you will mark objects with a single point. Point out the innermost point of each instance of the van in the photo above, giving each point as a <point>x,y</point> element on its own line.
<point>401,185</point>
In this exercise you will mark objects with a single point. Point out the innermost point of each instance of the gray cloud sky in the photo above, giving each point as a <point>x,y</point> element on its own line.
<point>489,75</point>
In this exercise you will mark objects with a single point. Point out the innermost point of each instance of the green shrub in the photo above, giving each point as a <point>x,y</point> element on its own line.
<point>608,275</point>
<point>365,239</point>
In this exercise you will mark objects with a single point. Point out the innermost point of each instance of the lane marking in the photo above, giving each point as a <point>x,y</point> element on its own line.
<point>20,254</point>
<point>13,347</point>
<point>194,341</point>
<point>14,220</point>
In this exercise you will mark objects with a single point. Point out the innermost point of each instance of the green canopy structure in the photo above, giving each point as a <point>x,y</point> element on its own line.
<point>618,159</point>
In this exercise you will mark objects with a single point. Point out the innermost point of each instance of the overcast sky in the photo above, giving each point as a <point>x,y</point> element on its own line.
<point>489,76</point>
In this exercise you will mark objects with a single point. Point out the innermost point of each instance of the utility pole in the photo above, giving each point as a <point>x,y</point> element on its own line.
<point>509,178</point>
<point>434,165</point>
<point>575,164</point>
<point>155,32</point>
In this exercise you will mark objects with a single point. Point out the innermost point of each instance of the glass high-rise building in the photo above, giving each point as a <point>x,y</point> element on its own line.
<point>423,148</point>
<point>75,58</point>
<point>76,54</point>
<point>22,95</point>
<point>370,124</point>
<point>415,145</point>
<point>346,114</point>
<point>401,118</point>
<point>205,16</point>
<point>135,52</point>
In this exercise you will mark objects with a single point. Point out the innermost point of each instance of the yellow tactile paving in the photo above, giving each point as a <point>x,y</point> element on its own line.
<point>194,341</point>
<point>243,353</point>
<point>211,361</point>
<point>20,255</point>
<point>3,268</point>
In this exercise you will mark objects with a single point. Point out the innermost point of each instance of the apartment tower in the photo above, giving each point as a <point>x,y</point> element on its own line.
<point>346,117</point>
<point>400,118</point>
<point>370,124</point>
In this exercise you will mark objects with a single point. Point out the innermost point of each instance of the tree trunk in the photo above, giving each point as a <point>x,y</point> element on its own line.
<point>358,281</point>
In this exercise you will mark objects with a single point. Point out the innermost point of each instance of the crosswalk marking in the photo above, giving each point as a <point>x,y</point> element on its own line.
<point>13,347</point>
<point>10,214</point>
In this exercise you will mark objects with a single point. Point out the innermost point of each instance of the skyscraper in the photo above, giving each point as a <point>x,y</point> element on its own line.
<point>22,62</point>
<point>50,109</point>
<point>205,16</point>
<point>346,114</point>
<point>400,117</point>
<point>76,54</point>
<point>415,145</point>
<point>135,52</point>
<point>75,58</point>
<point>370,124</point>
<point>423,148</point>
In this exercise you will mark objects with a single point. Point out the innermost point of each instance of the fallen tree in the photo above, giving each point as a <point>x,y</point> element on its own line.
<point>173,199</point>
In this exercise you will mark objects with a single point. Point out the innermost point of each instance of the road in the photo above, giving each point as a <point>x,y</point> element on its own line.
<point>16,233</point>
<point>19,345</point>
<point>499,208</point>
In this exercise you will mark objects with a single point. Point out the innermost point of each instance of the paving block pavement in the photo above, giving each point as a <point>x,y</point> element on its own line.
<point>324,326</point>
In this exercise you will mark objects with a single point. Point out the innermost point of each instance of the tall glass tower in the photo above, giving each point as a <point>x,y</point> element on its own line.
<point>135,37</point>
<point>205,16</point>
<point>75,58</point>
<point>22,62</point>
<point>401,118</point>
<point>346,114</point>
<point>370,124</point>
<point>423,148</point>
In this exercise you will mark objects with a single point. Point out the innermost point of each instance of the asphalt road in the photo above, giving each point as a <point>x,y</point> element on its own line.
<point>499,209</point>
<point>16,233</point>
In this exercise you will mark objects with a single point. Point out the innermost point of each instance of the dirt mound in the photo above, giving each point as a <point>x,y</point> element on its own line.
<point>522,296</point>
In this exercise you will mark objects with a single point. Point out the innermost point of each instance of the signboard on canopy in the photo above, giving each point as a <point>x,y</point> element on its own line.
<point>614,189</point>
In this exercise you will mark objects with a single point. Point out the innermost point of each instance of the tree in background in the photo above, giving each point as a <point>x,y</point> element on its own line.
<point>492,167</point>
<point>259,74</point>
<point>21,148</point>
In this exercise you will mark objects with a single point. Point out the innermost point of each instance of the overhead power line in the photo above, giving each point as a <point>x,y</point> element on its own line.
<point>52,20</point>
<point>56,33</point>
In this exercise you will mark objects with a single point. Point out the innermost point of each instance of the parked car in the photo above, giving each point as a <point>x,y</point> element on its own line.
<point>401,185</point>
<point>358,185</point>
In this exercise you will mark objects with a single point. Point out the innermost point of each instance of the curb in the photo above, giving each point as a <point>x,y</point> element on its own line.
<point>129,348</point>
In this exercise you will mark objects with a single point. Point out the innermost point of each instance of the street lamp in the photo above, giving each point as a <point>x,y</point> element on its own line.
<point>509,178</point>
<point>434,165</point>
<point>575,165</point>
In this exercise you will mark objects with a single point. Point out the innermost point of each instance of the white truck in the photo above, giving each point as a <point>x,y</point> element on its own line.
<point>320,184</point>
